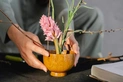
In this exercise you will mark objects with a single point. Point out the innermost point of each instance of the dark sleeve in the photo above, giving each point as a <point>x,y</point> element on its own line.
<point>5,6</point>
<point>61,10</point>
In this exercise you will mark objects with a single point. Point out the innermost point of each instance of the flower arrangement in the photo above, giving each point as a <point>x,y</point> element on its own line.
<point>51,29</point>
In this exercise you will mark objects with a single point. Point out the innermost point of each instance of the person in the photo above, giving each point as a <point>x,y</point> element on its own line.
<point>26,14</point>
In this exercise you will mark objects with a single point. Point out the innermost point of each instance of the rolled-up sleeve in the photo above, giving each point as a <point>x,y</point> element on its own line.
<point>61,10</point>
<point>5,6</point>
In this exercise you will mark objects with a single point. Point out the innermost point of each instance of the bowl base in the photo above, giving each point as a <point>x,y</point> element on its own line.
<point>55,74</point>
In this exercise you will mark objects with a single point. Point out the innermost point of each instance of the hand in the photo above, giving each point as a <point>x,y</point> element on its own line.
<point>26,47</point>
<point>71,41</point>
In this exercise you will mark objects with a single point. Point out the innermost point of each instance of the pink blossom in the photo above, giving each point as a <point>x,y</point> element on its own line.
<point>50,28</point>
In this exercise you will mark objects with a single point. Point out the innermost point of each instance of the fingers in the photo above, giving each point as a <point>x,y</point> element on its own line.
<point>67,46</point>
<point>73,45</point>
<point>76,59</point>
<point>32,61</point>
<point>39,50</point>
<point>27,46</point>
<point>75,48</point>
<point>37,47</point>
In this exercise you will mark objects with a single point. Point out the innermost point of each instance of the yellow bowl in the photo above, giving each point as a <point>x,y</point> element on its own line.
<point>59,64</point>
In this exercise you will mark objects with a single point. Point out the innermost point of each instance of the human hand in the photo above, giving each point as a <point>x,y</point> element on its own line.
<point>27,46</point>
<point>71,41</point>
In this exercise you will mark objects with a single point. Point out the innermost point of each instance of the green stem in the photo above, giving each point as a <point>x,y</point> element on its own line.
<point>51,1</point>
<point>57,46</point>
<point>71,14</point>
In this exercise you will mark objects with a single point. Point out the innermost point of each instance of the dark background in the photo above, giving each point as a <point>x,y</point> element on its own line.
<point>112,11</point>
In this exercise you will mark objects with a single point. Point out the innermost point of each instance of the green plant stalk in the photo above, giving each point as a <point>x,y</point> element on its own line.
<point>67,22</point>
<point>14,58</point>
<point>57,46</point>
<point>67,4</point>
<point>72,32</point>
<point>51,1</point>
<point>71,14</point>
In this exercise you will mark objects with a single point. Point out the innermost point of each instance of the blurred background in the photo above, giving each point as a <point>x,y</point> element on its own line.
<point>113,18</point>
<point>112,11</point>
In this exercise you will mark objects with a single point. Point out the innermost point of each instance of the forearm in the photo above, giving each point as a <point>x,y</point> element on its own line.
<point>14,34</point>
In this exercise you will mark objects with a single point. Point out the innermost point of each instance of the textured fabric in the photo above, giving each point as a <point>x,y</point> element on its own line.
<point>27,14</point>
<point>90,19</point>
<point>6,8</point>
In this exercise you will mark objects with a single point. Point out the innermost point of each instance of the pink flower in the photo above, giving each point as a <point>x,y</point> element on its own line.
<point>50,28</point>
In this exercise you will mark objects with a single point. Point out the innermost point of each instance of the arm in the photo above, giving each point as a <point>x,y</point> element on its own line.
<point>24,44</point>
<point>27,46</point>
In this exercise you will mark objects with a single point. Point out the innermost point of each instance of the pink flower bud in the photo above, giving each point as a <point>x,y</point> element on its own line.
<point>50,28</point>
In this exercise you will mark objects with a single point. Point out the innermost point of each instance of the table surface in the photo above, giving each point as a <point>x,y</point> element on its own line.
<point>20,72</point>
